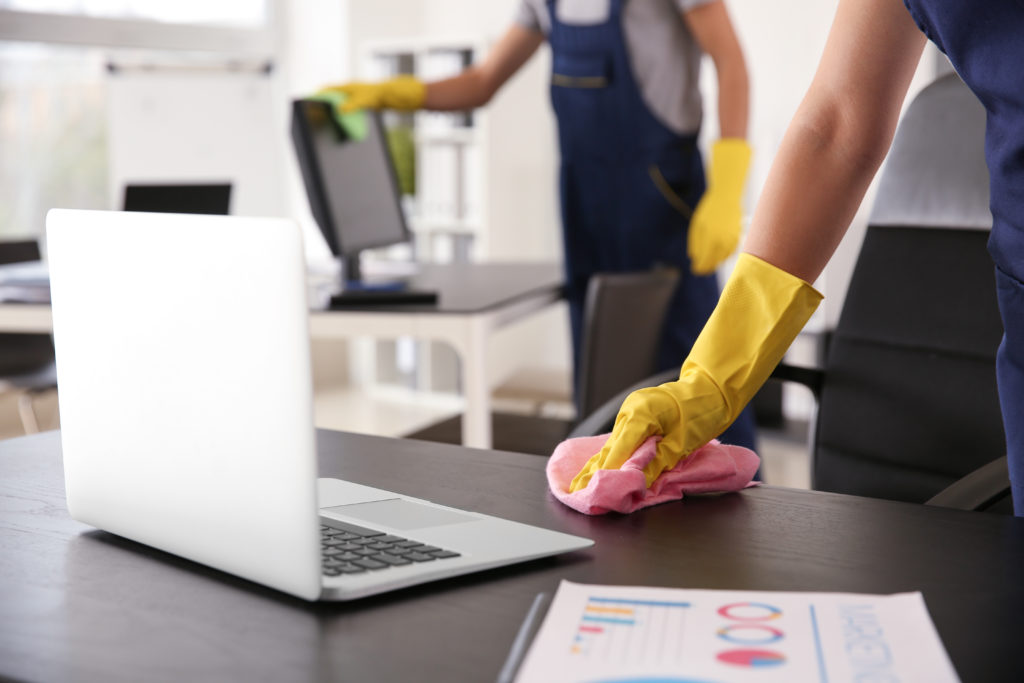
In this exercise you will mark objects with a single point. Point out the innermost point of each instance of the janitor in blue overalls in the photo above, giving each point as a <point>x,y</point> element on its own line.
<point>835,144</point>
<point>625,92</point>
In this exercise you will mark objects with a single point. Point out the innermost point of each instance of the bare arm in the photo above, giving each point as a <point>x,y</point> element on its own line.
<point>838,137</point>
<point>475,86</point>
<point>711,26</point>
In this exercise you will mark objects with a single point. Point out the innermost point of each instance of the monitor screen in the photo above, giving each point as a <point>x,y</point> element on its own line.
<point>205,198</point>
<point>351,184</point>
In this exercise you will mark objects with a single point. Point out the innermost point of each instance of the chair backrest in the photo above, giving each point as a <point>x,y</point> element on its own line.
<point>22,353</point>
<point>623,317</point>
<point>909,401</point>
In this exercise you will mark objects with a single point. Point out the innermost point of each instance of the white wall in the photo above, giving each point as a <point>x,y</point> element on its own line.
<point>314,52</point>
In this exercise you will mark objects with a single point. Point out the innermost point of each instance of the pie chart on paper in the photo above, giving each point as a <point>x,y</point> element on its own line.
<point>752,658</point>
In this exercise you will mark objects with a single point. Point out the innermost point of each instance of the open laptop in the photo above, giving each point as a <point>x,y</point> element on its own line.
<point>205,198</point>
<point>186,414</point>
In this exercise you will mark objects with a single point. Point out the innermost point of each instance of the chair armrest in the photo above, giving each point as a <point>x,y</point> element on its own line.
<point>600,421</point>
<point>977,490</point>
<point>812,378</point>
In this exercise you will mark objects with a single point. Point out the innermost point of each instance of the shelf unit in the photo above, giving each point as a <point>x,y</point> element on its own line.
<point>445,207</point>
<point>506,153</point>
<point>442,201</point>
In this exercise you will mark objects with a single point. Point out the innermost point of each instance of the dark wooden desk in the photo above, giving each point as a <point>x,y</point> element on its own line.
<point>85,605</point>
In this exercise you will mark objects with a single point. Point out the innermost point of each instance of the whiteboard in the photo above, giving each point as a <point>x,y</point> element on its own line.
<point>172,125</point>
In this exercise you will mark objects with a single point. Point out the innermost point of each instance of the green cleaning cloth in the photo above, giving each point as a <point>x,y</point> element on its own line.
<point>403,156</point>
<point>353,123</point>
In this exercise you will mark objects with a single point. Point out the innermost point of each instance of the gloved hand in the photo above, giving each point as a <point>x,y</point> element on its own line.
<point>761,311</point>
<point>402,92</point>
<point>716,223</point>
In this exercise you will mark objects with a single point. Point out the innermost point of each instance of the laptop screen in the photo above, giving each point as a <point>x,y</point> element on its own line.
<point>202,198</point>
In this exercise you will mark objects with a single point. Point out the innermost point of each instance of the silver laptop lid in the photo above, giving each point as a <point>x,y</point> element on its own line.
<point>184,387</point>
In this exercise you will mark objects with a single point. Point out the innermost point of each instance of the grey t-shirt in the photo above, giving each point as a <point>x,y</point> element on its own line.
<point>664,54</point>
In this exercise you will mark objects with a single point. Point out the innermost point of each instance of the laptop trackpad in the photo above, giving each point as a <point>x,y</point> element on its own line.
<point>400,514</point>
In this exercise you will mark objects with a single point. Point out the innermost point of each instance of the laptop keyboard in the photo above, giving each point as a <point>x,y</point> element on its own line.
<point>349,549</point>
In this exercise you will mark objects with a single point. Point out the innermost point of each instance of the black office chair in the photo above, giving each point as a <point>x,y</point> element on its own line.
<point>907,401</point>
<point>622,320</point>
<point>27,364</point>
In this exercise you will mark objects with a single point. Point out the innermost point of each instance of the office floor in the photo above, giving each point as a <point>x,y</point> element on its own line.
<point>397,412</point>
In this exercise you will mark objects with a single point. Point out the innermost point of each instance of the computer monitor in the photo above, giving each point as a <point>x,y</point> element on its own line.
<point>351,184</point>
<point>204,198</point>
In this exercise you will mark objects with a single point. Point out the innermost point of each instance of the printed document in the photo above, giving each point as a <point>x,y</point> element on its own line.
<point>622,634</point>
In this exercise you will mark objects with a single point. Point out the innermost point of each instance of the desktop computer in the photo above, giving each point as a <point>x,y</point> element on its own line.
<point>354,197</point>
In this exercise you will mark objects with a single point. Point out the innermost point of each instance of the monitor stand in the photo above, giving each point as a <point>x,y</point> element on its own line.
<point>357,291</point>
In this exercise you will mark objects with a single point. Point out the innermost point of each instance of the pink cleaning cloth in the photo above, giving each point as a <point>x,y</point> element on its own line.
<point>715,467</point>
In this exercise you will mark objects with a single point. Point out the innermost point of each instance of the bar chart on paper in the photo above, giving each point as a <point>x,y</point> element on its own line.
<point>621,630</point>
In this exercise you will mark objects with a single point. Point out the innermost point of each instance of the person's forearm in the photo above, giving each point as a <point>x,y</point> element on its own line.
<point>838,138</point>
<point>475,86</point>
<point>733,96</point>
<point>815,185</point>
<point>712,28</point>
<point>468,90</point>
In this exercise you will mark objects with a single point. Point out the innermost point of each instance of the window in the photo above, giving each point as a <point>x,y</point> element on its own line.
<point>236,13</point>
<point>53,148</point>
<point>53,99</point>
<point>240,27</point>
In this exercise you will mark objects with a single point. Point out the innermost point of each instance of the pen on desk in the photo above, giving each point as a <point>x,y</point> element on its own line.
<point>522,641</point>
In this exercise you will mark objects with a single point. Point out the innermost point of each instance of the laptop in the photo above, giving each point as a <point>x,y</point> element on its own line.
<point>206,198</point>
<point>183,360</point>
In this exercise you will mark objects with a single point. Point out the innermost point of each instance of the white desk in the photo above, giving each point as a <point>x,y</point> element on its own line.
<point>474,301</point>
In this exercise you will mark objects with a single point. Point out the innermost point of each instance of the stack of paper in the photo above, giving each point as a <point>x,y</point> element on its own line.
<point>27,282</point>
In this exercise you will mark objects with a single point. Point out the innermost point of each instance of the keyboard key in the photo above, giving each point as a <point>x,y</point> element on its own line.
<point>348,557</point>
<point>364,541</point>
<point>352,528</point>
<point>367,563</point>
<point>391,559</point>
<point>332,571</point>
<point>380,546</point>
<point>442,554</point>
<point>366,552</point>
<point>389,539</point>
<point>428,548</point>
<point>350,568</point>
<point>419,557</point>
<point>408,544</point>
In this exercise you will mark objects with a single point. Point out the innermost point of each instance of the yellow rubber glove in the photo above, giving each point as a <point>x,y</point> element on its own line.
<point>716,223</point>
<point>402,92</point>
<point>761,311</point>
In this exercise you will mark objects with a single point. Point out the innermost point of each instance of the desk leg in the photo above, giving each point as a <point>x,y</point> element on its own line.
<point>476,418</point>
